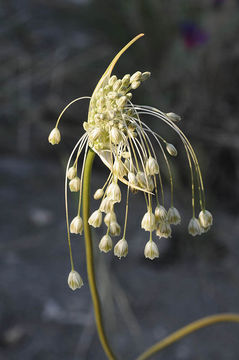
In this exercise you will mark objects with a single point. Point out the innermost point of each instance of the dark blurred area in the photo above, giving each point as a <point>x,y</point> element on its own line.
<point>54,51</point>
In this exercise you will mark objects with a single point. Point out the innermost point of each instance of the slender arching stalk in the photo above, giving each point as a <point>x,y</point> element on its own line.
<point>186,330</point>
<point>169,340</point>
<point>90,259</point>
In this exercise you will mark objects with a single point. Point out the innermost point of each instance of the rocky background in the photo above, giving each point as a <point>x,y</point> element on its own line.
<point>54,51</point>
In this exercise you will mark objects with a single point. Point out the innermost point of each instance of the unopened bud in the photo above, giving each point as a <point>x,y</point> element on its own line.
<point>74,184</point>
<point>71,173</point>
<point>74,280</point>
<point>136,76</point>
<point>171,149</point>
<point>98,194</point>
<point>76,226</point>
<point>174,117</point>
<point>205,219</point>
<point>54,136</point>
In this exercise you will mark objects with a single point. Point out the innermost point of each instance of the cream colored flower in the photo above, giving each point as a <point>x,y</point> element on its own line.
<point>151,250</point>
<point>148,221</point>
<point>194,227</point>
<point>205,219</point>
<point>173,216</point>
<point>74,280</point>
<point>54,136</point>
<point>71,173</point>
<point>160,214</point>
<point>74,184</point>
<point>105,244</point>
<point>76,226</point>
<point>95,219</point>
<point>121,248</point>
<point>164,230</point>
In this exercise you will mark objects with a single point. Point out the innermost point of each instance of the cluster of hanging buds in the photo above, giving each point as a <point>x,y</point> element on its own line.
<point>115,131</point>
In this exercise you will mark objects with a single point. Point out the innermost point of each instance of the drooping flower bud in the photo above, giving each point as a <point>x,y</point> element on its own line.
<point>171,149</point>
<point>115,135</point>
<point>164,230</point>
<point>121,248</point>
<point>151,250</point>
<point>114,193</point>
<point>74,184</point>
<point>145,76</point>
<point>115,228</point>
<point>54,136</point>
<point>95,219</point>
<point>174,117</point>
<point>118,168</point>
<point>160,214</point>
<point>194,227</point>
<point>76,226</point>
<point>205,218</point>
<point>148,221</point>
<point>109,218</point>
<point>105,244</point>
<point>71,173</point>
<point>74,280</point>
<point>173,216</point>
<point>106,205</point>
<point>152,167</point>
<point>98,194</point>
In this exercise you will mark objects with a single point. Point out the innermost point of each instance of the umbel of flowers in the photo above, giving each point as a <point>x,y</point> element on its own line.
<point>116,132</point>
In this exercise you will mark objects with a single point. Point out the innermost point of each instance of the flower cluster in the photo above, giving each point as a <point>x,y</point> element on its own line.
<point>115,131</point>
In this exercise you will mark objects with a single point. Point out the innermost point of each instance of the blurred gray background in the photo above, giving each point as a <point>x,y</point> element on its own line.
<point>54,51</point>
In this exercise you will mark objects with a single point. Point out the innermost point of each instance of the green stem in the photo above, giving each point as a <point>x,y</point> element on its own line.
<point>186,330</point>
<point>169,340</point>
<point>90,258</point>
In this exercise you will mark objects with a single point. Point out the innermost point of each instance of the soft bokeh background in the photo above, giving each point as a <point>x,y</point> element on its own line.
<point>54,51</point>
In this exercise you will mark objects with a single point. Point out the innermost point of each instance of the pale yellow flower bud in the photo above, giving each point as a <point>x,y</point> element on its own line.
<point>126,79</point>
<point>95,134</point>
<point>115,135</point>
<point>121,248</point>
<point>132,179</point>
<point>145,75</point>
<point>54,136</point>
<point>173,216</point>
<point>95,219</point>
<point>106,205</point>
<point>136,76</point>
<point>118,168</point>
<point>76,226</point>
<point>117,85</point>
<point>114,193</point>
<point>171,149</point>
<point>74,280</point>
<point>71,173</point>
<point>148,221</point>
<point>205,219</point>
<point>151,250</point>
<point>194,227</point>
<point>135,84</point>
<point>150,183</point>
<point>152,166</point>
<point>98,194</point>
<point>160,214</point>
<point>121,102</point>
<point>141,178</point>
<point>115,228</point>
<point>174,117</point>
<point>129,96</point>
<point>164,229</point>
<point>112,80</point>
<point>105,244</point>
<point>109,218</point>
<point>74,184</point>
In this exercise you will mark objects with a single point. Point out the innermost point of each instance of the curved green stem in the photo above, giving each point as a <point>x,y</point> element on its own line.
<point>186,330</point>
<point>89,256</point>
